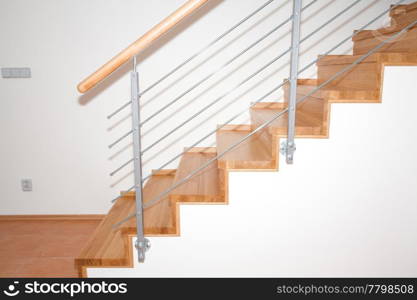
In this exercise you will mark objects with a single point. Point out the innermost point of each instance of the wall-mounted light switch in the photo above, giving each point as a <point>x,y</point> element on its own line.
<point>26,185</point>
<point>15,72</point>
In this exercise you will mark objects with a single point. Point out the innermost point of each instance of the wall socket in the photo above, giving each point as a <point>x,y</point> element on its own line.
<point>26,185</point>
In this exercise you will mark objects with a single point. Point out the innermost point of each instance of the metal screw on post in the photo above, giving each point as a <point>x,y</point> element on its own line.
<point>142,244</point>
<point>295,50</point>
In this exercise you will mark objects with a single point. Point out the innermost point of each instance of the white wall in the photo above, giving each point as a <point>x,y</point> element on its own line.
<point>347,207</point>
<point>59,139</point>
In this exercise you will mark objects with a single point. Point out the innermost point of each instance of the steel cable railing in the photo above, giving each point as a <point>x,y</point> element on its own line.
<point>211,75</point>
<point>261,98</point>
<point>206,107</point>
<point>194,56</point>
<point>264,125</point>
<point>240,84</point>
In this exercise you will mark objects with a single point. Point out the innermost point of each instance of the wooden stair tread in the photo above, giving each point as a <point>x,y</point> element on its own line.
<point>106,246</point>
<point>340,95</point>
<point>203,187</point>
<point>111,247</point>
<point>253,153</point>
<point>160,218</point>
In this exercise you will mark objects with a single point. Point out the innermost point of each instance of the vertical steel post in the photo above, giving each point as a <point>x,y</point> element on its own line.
<point>292,104</point>
<point>142,244</point>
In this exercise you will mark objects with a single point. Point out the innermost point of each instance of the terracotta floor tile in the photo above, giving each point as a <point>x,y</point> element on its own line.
<point>20,246</point>
<point>62,246</point>
<point>70,227</point>
<point>24,227</point>
<point>10,266</point>
<point>42,248</point>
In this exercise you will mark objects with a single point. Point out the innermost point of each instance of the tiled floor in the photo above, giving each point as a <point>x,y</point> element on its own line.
<point>44,248</point>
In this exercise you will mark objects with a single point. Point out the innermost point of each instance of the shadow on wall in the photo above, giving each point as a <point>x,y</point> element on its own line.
<point>115,76</point>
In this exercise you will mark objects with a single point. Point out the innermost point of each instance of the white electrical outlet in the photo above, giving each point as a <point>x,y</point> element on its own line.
<point>26,185</point>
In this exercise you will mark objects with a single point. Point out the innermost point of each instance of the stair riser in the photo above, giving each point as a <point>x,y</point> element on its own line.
<point>249,166</point>
<point>365,76</point>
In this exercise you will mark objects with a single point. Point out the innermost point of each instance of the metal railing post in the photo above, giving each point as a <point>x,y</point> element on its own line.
<point>142,244</point>
<point>292,104</point>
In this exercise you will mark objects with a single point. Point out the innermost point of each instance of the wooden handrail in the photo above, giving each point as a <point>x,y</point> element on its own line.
<point>139,45</point>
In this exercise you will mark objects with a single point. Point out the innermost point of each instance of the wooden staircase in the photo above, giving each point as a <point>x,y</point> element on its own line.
<point>363,84</point>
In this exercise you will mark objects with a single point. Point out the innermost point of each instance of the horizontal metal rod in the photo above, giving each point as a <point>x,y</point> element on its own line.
<point>212,74</point>
<point>120,139</point>
<point>349,38</point>
<point>330,20</point>
<point>121,167</point>
<point>122,194</point>
<point>204,49</point>
<point>277,115</point>
<point>215,101</point>
<point>195,55</point>
<point>119,110</point>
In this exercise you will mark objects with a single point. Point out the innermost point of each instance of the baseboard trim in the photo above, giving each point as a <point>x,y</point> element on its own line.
<point>51,217</point>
